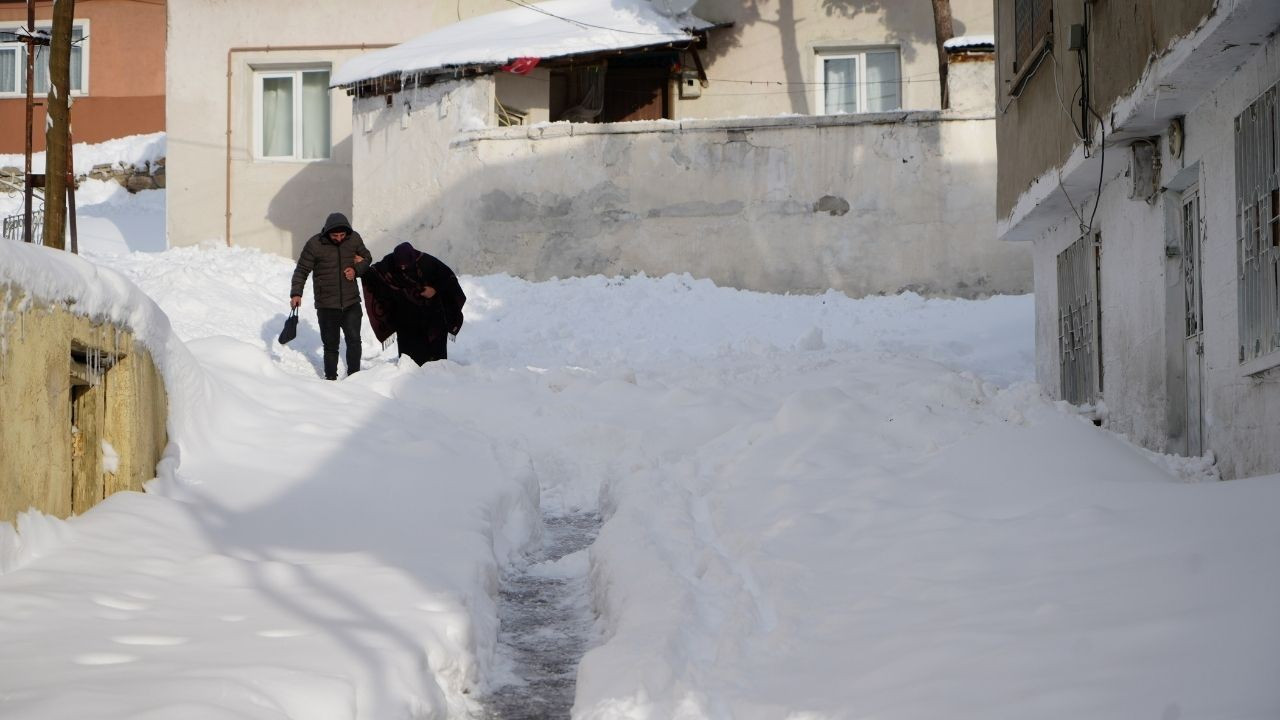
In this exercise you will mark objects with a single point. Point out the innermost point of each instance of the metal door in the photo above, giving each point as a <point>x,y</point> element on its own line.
<point>1079,353</point>
<point>1193,345</point>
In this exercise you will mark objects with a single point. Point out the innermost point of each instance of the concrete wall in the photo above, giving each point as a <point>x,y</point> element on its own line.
<point>125,95</point>
<point>1035,133</point>
<point>274,206</point>
<point>862,204</point>
<point>44,463</point>
<point>1142,294</point>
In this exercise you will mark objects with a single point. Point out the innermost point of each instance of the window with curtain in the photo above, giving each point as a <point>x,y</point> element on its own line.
<point>13,63</point>
<point>861,81</point>
<point>9,69</point>
<point>292,116</point>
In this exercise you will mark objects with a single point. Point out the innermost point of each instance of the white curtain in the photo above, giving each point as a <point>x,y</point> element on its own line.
<point>8,70</point>
<point>77,59</point>
<point>277,117</point>
<point>42,71</point>
<point>884,85</point>
<point>315,115</point>
<point>840,85</point>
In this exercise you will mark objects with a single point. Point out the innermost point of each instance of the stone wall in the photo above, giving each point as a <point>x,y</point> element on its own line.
<point>85,410</point>
<point>144,176</point>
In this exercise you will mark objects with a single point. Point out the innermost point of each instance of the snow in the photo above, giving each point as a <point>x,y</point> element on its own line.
<point>557,28</point>
<point>814,508</point>
<point>135,150</point>
<point>964,42</point>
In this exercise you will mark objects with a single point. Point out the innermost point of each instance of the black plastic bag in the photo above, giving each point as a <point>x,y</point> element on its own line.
<point>290,330</point>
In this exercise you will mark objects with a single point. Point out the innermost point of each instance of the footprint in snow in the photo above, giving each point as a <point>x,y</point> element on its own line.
<point>103,659</point>
<point>119,603</point>
<point>282,633</point>
<point>150,640</point>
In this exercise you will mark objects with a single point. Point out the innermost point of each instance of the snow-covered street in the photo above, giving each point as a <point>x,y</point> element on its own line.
<point>813,508</point>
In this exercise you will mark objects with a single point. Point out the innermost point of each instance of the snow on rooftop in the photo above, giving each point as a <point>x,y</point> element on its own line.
<point>557,28</point>
<point>971,42</point>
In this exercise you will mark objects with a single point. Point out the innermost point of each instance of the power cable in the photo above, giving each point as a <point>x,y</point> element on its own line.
<point>584,25</point>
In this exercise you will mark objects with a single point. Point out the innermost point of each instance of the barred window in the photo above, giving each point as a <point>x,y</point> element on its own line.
<point>1032,21</point>
<point>1257,140</point>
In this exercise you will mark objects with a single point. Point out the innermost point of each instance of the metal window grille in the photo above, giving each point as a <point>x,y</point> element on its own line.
<point>13,227</point>
<point>1257,142</point>
<point>1077,321</point>
<point>1032,21</point>
<point>1192,234</point>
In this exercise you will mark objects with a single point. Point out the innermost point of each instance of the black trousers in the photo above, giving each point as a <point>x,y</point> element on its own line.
<point>346,320</point>
<point>421,349</point>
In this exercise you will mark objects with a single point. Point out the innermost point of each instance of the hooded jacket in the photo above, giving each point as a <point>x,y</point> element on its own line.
<point>325,260</point>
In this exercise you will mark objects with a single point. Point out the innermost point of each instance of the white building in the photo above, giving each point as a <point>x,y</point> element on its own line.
<point>1157,240</point>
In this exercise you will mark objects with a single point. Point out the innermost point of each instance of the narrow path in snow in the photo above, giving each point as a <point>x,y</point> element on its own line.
<point>545,612</point>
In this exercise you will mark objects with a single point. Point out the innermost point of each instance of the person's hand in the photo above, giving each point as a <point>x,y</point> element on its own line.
<point>428,292</point>
<point>350,273</point>
<point>295,301</point>
<point>359,258</point>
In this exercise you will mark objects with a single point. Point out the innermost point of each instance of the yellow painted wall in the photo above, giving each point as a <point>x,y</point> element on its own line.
<point>43,464</point>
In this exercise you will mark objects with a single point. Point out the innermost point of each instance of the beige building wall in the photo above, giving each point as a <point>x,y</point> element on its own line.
<point>272,205</point>
<point>1035,133</point>
<point>777,41</point>
<point>67,384</point>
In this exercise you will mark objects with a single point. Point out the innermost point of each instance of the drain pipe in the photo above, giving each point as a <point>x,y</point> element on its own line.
<point>267,49</point>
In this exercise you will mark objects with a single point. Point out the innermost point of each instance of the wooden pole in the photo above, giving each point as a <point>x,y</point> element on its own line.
<point>57,136</point>
<point>71,189</point>
<point>944,30</point>
<point>31,80</point>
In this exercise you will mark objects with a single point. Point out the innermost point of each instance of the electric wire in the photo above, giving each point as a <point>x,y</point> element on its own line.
<point>584,25</point>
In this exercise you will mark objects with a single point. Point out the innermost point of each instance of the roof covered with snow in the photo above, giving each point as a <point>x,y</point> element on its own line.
<point>971,42</point>
<point>558,28</point>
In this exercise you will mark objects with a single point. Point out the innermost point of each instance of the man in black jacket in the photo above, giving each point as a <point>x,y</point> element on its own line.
<point>417,297</point>
<point>334,258</point>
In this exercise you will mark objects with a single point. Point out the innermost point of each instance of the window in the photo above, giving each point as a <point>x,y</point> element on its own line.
<point>859,81</point>
<point>508,117</point>
<point>1032,22</point>
<point>13,61</point>
<point>291,114</point>
<point>1257,141</point>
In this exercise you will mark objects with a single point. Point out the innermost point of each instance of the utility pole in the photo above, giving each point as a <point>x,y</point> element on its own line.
<point>58,127</point>
<point>28,180</point>
<point>943,30</point>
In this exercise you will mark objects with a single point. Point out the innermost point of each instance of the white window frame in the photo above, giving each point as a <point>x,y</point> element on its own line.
<point>295,72</point>
<point>20,68</point>
<point>860,54</point>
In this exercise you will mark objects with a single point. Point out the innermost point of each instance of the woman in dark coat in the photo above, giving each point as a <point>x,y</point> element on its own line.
<point>416,297</point>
